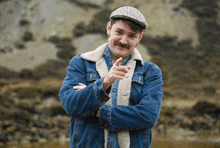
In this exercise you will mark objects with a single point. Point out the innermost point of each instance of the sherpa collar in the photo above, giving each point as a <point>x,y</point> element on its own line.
<point>97,54</point>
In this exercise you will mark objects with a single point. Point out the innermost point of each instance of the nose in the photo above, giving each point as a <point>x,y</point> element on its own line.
<point>124,39</point>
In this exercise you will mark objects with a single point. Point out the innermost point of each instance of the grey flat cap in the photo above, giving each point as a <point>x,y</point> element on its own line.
<point>130,13</point>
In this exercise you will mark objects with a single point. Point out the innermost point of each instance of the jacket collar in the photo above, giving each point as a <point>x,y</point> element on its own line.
<point>97,54</point>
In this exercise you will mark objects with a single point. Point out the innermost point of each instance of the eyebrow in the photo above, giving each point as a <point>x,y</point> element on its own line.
<point>132,33</point>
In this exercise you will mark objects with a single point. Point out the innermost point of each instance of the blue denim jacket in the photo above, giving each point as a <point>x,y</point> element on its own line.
<point>87,130</point>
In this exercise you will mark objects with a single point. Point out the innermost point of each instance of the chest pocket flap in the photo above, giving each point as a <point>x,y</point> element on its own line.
<point>92,75</point>
<point>138,78</point>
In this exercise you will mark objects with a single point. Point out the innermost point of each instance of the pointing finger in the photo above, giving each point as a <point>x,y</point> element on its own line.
<point>118,61</point>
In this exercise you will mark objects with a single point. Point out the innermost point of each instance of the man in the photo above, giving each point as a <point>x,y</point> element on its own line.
<point>113,97</point>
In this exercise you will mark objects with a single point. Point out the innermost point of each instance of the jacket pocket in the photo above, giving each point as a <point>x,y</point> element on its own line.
<point>138,78</point>
<point>76,131</point>
<point>92,75</point>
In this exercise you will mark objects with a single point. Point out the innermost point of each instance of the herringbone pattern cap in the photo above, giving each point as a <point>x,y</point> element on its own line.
<point>130,13</point>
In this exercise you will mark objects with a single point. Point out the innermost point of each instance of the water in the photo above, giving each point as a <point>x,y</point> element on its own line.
<point>183,144</point>
<point>157,143</point>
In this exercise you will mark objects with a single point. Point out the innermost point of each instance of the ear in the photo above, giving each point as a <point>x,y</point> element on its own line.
<point>140,37</point>
<point>108,28</point>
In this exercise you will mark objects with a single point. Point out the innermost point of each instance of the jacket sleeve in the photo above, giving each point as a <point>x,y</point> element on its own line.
<point>143,115</point>
<point>80,103</point>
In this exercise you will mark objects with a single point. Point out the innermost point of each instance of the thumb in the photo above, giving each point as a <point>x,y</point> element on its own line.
<point>118,61</point>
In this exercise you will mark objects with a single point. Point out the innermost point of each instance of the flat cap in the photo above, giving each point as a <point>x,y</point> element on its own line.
<point>130,13</point>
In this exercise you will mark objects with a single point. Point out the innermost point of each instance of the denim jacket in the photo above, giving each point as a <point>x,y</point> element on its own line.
<point>139,117</point>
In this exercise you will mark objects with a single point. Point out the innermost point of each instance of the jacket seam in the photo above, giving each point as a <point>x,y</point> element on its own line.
<point>80,60</point>
<point>152,69</point>
<point>89,138</point>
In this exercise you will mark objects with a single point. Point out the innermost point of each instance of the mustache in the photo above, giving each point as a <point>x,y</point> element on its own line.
<point>122,45</point>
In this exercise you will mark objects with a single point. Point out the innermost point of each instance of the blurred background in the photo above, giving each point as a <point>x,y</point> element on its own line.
<point>39,37</point>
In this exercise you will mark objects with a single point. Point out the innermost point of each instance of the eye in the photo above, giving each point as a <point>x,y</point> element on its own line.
<point>132,35</point>
<point>119,32</point>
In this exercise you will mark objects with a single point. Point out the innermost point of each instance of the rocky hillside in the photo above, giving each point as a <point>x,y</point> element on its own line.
<point>39,37</point>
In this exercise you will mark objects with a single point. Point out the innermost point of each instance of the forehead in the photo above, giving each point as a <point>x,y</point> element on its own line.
<point>124,26</point>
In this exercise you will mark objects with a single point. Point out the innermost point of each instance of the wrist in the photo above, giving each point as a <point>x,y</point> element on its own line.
<point>105,84</point>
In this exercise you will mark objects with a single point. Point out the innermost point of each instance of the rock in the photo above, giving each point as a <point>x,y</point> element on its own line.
<point>17,136</point>
<point>50,68</point>
<point>209,90</point>
<point>57,109</point>
<point>67,51</point>
<point>5,124</point>
<point>24,22</point>
<point>98,24</point>
<point>79,30</point>
<point>19,45</point>
<point>6,50</point>
<point>54,132</point>
<point>40,124</point>
<point>3,138</point>
<point>5,112</point>
<point>26,92</point>
<point>28,36</point>
<point>48,102</point>
<point>11,129</point>
<point>21,115</point>
<point>43,133</point>
<point>205,107</point>
<point>34,138</point>
<point>27,104</point>
<point>51,107</point>
<point>2,99</point>
<point>33,130</point>
<point>25,73</point>
<point>6,73</point>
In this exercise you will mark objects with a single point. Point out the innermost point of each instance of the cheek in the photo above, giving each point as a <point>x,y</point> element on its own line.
<point>134,43</point>
<point>113,39</point>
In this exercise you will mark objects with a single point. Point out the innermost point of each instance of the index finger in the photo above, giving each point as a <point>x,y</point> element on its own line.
<point>118,61</point>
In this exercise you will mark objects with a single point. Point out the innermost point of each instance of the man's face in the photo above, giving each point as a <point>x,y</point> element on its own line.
<point>122,39</point>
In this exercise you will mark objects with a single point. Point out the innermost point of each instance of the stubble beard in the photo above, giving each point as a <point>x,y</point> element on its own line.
<point>116,55</point>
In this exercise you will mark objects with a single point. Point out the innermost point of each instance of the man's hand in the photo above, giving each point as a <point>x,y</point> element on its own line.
<point>116,72</point>
<point>79,87</point>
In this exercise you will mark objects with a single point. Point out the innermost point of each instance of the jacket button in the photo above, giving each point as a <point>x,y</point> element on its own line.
<point>109,146</point>
<point>114,90</point>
